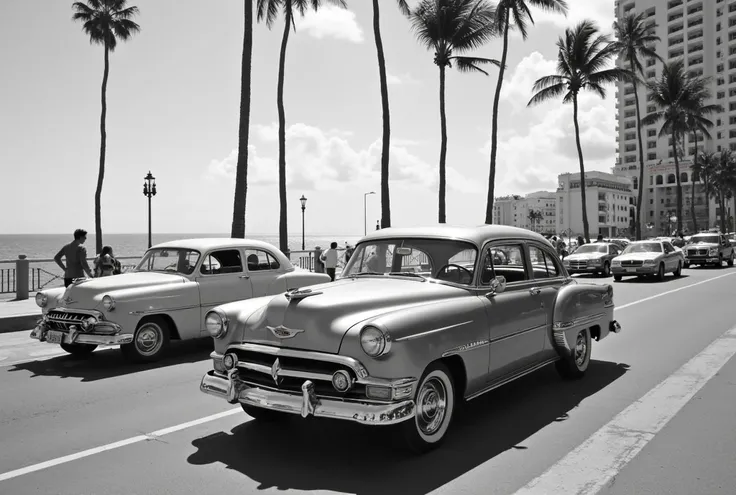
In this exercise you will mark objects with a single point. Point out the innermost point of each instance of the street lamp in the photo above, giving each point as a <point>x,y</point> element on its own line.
<point>149,190</point>
<point>303,201</point>
<point>365,221</point>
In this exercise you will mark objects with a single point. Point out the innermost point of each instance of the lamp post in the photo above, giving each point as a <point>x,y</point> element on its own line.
<point>149,190</point>
<point>303,201</point>
<point>365,202</point>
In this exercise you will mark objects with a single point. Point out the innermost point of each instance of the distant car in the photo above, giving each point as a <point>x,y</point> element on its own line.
<point>166,297</point>
<point>643,258</point>
<point>592,258</point>
<point>421,319</point>
<point>708,249</point>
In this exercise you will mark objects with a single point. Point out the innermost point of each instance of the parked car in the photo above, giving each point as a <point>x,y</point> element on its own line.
<point>592,258</point>
<point>708,249</point>
<point>421,319</point>
<point>166,297</point>
<point>643,258</point>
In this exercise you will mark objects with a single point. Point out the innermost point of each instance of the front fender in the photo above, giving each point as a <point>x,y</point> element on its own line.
<point>52,296</point>
<point>580,306</point>
<point>240,314</point>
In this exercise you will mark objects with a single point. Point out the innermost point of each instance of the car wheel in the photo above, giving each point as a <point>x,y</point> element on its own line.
<point>660,272</point>
<point>575,365</point>
<point>678,272</point>
<point>262,414</point>
<point>79,350</point>
<point>435,405</point>
<point>730,259</point>
<point>617,278</point>
<point>606,269</point>
<point>150,341</point>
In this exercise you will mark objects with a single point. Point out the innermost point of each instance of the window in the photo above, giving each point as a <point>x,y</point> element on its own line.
<point>668,247</point>
<point>169,260</point>
<point>506,260</point>
<point>260,260</point>
<point>219,262</point>
<point>543,265</point>
<point>659,180</point>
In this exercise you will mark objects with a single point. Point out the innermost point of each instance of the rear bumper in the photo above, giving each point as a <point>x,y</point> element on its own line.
<point>700,260</point>
<point>307,404</point>
<point>76,336</point>
<point>634,270</point>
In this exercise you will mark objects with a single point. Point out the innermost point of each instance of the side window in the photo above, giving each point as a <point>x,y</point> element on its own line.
<point>506,260</point>
<point>219,262</point>
<point>260,261</point>
<point>668,247</point>
<point>613,249</point>
<point>543,264</point>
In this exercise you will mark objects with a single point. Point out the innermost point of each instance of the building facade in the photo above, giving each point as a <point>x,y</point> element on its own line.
<point>609,203</point>
<point>701,33</point>
<point>535,211</point>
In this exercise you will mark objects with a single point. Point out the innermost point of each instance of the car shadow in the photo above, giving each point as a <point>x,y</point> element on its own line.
<point>650,279</point>
<point>110,363</point>
<point>317,454</point>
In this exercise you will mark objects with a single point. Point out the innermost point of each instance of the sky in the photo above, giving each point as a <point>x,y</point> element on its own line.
<point>173,108</point>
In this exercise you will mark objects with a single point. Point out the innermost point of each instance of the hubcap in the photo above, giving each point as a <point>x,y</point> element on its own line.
<point>431,406</point>
<point>581,349</point>
<point>149,339</point>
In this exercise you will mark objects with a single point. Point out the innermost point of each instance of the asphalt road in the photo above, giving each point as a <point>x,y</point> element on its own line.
<point>101,426</point>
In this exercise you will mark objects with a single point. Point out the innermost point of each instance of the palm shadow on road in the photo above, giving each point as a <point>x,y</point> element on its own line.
<point>345,457</point>
<point>109,363</point>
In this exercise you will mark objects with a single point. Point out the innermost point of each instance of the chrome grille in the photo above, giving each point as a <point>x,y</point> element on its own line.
<point>632,263</point>
<point>63,320</point>
<point>697,252</point>
<point>578,265</point>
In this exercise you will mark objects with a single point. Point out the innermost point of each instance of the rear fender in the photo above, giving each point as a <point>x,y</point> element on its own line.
<point>580,306</point>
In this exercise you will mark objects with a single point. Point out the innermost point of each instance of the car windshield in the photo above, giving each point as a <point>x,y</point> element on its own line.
<point>175,260</point>
<point>643,247</point>
<point>448,260</point>
<point>592,248</point>
<point>708,239</point>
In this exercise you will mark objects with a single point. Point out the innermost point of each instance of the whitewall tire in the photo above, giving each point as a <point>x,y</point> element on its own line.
<point>435,406</point>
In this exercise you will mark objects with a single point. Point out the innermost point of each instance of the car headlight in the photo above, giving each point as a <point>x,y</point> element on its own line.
<point>216,324</point>
<point>594,262</point>
<point>41,299</point>
<point>374,342</point>
<point>565,262</point>
<point>616,263</point>
<point>713,252</point>
<point>649,262</point>
<point>108,302</point>
<point>88,322</point>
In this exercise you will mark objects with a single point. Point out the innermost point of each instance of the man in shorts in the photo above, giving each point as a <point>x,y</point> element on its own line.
<point>76,258</point>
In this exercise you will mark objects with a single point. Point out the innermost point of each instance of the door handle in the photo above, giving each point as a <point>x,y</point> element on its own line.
<point>535,291</point>
<point>244,276</point>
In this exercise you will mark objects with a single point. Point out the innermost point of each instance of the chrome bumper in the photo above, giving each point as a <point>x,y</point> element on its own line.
<point>614,327</point>
<point>75,336</point>
<point>306,404</point>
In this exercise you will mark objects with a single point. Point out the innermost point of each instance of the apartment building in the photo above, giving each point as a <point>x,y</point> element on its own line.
<point>609,202</point>
<point>701,33</point>
<point>535,211</point>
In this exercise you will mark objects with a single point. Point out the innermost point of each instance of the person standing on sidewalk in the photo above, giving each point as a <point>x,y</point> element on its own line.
<point>76,258</point>
<point>329,258</point>
<point>106,264</point>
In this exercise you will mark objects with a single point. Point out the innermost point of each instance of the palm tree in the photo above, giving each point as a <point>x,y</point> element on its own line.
<point>697,122</point>
<point>704,169</point>
<point>534,217</point>
<point>241,170</point>
<point>386,140</point>
<point>679,97</point>
<point>633,43</point>
<point>105,22</point>
<point>583,63</point>
<point>269,10</point>
<point>723,178</point>
<point>448,27</point>
<point>521,14</point>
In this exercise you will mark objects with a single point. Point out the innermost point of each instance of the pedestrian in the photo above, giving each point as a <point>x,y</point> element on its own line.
<point>348,252</point>
<point>560,246</point>
<point>76,258</point>
<point>329,258</point>
<point>105,264</point>
<point>679,241</point>
<point>581,241</point>
<point>600,238</point>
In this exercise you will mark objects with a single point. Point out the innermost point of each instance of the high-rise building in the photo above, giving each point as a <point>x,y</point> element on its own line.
<point>701,33</point>
<point>535,211</point>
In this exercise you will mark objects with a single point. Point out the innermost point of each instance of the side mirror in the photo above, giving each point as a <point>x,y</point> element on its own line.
<point>498,285</point>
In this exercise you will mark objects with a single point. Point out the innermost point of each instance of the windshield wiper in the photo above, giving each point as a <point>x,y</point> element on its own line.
<point>365,273</point>
<point>407,274</point>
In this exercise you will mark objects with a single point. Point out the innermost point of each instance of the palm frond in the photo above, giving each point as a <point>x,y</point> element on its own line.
<point>471,64</point>
<point>547,81</point>
<point>403,7</point>
<point>558,6</point>
<point>548,93</point>
<point>268,10</point>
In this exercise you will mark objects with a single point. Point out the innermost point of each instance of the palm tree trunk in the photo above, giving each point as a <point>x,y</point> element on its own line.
<point>283,233</point>
<point>386,140</point>
<point>640,189</point>
<point>586,231</point>
<point>241,172</point>
<point>692,185</point>
<point>443,147</point>
<point>103,146</point>
<point>722,205</point>
<point>679,184</point>
<point>494,124</point>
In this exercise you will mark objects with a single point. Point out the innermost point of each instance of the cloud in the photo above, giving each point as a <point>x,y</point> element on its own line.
<point>331,22</point>
<point>600,11</point>
<point>517,90</point>
<point>325,160</point>
<point>404,79</point>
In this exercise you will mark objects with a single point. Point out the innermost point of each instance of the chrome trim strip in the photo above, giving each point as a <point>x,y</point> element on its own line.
<point>562,325</point>
<point>466,347</point>
<point>429,332</point>
<point>164,310</point>
<point>516,334</point>
<point>511,378</point>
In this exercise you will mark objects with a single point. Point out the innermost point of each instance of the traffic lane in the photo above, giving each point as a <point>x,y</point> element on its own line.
<point>18,347</point>
<point>64,405</point>
<point>695,452</point>
<point>497,444</point>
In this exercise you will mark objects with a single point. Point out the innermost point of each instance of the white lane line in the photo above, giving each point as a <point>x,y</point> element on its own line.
<point>592,465</point>
<point>115,445</point>
<point>673,290</point>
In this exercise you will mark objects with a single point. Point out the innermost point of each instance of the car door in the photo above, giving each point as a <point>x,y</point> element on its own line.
<point>221,279</point>
<point>516,317</point>
<point>670,257</point>
<point>264,271</point>
<point>549,278</point>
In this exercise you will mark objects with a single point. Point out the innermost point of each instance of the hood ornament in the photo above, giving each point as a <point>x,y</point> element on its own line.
<point>283,332</point>
<point>275,371</point>
<point>298,294</point>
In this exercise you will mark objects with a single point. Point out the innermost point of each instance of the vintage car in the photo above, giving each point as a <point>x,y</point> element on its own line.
<point>166,296</point>
<point>708,249</point>
<point>644,258</point>
<point>421,319</point>
<point>592,258</point>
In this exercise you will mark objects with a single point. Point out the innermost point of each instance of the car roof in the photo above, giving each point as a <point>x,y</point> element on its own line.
<point>476,235</point>
<point>207,243</point>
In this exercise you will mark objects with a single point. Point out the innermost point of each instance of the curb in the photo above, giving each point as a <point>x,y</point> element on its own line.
<point>20,322</point>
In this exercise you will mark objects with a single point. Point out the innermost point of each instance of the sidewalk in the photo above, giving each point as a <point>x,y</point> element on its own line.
<point>18,315</point>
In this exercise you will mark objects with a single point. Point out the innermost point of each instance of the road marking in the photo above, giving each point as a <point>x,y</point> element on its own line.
<point>115,445</point>
<point>674,290</point>
<point>592,465</point>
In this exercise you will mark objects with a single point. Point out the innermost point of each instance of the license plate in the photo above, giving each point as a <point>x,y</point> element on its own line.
<point>631,270</point>
<point>54,337</point>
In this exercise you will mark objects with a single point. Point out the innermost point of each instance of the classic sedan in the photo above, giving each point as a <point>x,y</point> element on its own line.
<point>421,319</point>
<point>166,297</point>
<point>644,258</point>
<point>592,258</point>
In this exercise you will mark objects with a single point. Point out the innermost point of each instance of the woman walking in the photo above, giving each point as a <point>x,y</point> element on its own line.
<point>106,264</point>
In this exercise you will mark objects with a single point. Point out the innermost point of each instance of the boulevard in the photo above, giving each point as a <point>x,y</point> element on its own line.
<point>103,426</point>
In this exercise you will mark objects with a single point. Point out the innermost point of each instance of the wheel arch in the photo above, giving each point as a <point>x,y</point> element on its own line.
<point>456,365</point>
<point>173,330</point>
